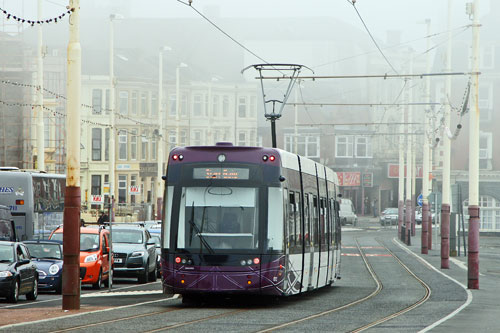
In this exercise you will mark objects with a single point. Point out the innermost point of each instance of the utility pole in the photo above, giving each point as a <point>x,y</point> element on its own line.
<point>40,130</point>
<point>408,174</point>
<point>425,159</point>
<point>72,198</point>
<point>413,164</point>
<point>112,130</point>
<point>401,184</point>
<point>177,105</point>
<point>474,219</point>
<point>445,208</point>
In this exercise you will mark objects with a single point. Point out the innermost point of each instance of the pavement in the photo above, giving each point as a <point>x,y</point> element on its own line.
<point>481,311</point>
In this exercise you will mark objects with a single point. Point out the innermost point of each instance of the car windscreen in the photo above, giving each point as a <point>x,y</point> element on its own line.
<point>6,253</point>
<point>127,236</point>
<point>44,251</point>
<point>88,242</point>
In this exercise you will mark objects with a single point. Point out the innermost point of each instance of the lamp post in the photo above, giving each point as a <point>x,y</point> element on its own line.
<point>177,101</point>
<point>39,94</point>
<point>159,201</point>
<point>112,132</point>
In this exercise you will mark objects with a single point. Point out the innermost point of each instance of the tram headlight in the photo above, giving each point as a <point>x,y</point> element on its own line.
<point>265,158</point>
<point>243,262</point>
<point>249,261</point>
<point>256,261</point>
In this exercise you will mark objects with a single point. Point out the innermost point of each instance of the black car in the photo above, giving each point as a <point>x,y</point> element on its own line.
<point>48,258</point>
<point>134,253</point>
<point>18,275</point>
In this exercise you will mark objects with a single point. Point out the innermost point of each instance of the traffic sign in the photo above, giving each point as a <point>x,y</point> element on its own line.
<point>134,190</point>
<point>96,199</point>
<point>420,200</point>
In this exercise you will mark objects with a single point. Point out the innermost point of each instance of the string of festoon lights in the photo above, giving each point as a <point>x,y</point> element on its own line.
<point>94,123</point>
<point>85,106</point>
<point>33,22</point>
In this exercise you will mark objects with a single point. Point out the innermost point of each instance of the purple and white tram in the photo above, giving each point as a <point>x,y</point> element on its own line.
<point>248,220</point>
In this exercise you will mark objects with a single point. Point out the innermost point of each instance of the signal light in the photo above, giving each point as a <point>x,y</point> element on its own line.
<point>181,157</point>
<point>265,158</point>
<point>249,282</point>
<point>175,157</point>
<point>256,261</point>
<point>272,158</point>
<point>19,202</point>
<point>178,260</point>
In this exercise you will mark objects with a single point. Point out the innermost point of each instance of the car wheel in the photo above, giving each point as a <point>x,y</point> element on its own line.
<point>143,277</point>
<point>33,294</point>
<point>98,284</point>
<point>14,293</point>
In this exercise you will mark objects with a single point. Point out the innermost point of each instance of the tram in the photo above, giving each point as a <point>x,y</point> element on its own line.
<point>248,220</point>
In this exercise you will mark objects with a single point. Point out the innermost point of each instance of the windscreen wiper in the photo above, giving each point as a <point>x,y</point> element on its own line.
<point>198,232</point>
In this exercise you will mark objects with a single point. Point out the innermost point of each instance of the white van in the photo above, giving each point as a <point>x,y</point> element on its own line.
<point>346,213</point>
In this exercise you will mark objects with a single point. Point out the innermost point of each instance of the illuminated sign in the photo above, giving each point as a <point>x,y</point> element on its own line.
<point>221,173</point>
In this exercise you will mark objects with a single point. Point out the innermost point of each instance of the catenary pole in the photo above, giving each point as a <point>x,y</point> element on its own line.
<point>408,172</point>
<point>401,184</point>
<point>425,157</point>
<point>474,213</point>
<point>112,132</point>
<point>72,198</point>
<point>40,134</point>
<point>159,201</point>
<point>445,208</point>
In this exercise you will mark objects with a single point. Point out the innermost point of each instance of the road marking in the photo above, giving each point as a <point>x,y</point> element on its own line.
<point>454,313</point>
<point>89,312</point>
<point>123,293</point>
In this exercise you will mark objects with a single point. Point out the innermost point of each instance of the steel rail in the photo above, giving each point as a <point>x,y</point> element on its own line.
<point>377,290</point>
<point>408,308</point>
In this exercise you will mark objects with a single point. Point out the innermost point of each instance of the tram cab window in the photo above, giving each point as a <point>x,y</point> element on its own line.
<point>322,226</point>
<point>291,218</point>
<point>315,225</point>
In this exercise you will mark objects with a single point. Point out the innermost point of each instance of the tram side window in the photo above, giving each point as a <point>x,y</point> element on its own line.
<point>315,226</point>
<point>322,229</point>
<point>298,218</point>
<point>307,229</point>
<point>291,219</point>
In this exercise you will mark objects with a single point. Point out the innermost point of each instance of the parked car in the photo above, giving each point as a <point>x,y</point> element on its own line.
<point>347,213</point>
<point>48,258</point>
<point>94,255</point>
<point>157,241</point>
<point>7,226</point>
<point>18,274</point>
<point>134,253</point>
<point>418,216</point>
<point>389,216</point>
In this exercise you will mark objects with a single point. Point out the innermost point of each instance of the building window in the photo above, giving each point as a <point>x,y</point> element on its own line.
<point>225,106</point>
<point>485,150</point>
<point>343,146</point>
<point>363,147</point>
<point>242,139</point>
<point>154,105</point>
<point>144,104</point>
<point>490,213</point>
<point>133,144</point>
<point>133,182</point>
<point>144,145</point>
<point>122,145</point>
<point>96,144</point>
<point>184,105</point>
<point>96,101</point>
<point>308,144</point>
<point>123,102</point>
<point>183,137</point>
<point>96,185</point>
<point>242,107</point>
<point>252,138</point>
<point>173,105</point>
<point>253,106</point>
<point>196,138</point>
<point>106,144</point>
<point>172,141</point>
<point>122,189</point>
<point>107,106</point>
<point>134,102</point>
<point>215,105</point>
<point>153,148</point>
<point>197,105</point>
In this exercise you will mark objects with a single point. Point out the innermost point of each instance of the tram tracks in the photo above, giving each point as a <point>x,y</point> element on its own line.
<point>378,289</point>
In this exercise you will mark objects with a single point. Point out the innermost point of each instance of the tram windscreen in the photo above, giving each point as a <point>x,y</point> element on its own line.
<point>218,218</point>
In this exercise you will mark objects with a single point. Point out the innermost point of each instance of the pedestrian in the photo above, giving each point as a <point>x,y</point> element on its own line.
<point>103,218</point>
<point>82,223</point>
<point>374,207</point>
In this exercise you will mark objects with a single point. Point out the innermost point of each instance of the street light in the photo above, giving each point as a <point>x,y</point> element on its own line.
<point>159,175</point>
<point>177,100</point>
<point>112,18</point>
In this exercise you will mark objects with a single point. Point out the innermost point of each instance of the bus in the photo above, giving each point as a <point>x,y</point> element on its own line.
<point>35,200</point>
<point>248,220</point>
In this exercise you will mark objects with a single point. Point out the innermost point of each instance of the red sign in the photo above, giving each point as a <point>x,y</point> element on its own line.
<point>96,199</point>
<point>349,178</point>
<point>393,171</point>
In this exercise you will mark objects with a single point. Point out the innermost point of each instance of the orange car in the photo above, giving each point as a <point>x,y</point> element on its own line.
<point>94,254</point>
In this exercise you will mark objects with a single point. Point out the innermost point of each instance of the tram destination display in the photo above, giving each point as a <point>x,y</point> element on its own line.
<point>221,173</point>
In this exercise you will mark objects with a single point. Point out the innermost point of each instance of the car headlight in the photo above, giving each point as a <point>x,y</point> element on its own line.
<point>5,274</point>
<point>91,258</point>
<point>137,254</point>
<point>53,269</point>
